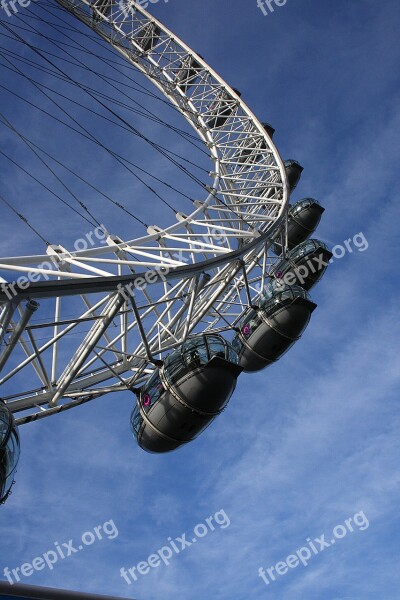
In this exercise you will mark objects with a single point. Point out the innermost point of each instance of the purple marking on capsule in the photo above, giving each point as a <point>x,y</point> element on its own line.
<point>146,400</point>
<point>246,330</point>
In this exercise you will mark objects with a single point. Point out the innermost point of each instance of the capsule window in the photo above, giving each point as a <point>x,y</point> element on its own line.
<point>136,421</point>
<point>196,353</point>
<point>148,36</point>
<point>251,153</point>
<point>306,247</point>
<point>216,347</point>
<point>250,323</point>
<point>152,391</point>
<point>220,110</point>
<point>9,451</point>
<point>4,425</point>
<point>188,72</point>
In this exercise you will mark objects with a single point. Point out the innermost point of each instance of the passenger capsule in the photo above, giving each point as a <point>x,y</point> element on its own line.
<point>104,7</point>
<point>293,173</point>
<point>269,129</point>
<point>303,219</point>
<point>250,153</point>
<point>185,395</point>
<point>9,451</point>
<point>188,72</point>
<point>266,333</point>
<point>148,36</point>
<point>221,109</point>
<point>305,264</point>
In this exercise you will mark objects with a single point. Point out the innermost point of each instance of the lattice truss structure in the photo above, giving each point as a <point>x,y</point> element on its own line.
<point>201,273</point>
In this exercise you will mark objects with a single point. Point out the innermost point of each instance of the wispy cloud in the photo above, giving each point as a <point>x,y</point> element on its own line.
<point>303,445</point>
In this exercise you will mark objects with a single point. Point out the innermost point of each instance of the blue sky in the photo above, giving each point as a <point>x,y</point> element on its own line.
<point>305,444</point>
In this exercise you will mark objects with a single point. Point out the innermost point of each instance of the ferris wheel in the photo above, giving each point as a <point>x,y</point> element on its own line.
<point>221,290</point>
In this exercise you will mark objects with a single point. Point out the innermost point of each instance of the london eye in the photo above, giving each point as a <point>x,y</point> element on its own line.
<point>177,314</point>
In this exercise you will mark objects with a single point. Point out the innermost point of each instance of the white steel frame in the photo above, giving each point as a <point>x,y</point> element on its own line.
<point>198,282</point>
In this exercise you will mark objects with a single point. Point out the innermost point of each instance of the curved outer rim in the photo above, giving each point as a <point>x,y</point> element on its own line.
<point>208,137</point>
<point>245,254</point>
<point>45,287</point>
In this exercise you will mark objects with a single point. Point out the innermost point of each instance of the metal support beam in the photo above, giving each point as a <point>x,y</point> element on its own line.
<point>149,355</point>
<point>86,347</point>
<point>30,308</point>
<point>6,316</point>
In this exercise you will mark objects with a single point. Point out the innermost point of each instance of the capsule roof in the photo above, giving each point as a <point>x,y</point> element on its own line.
<point>278,290</point>
<point>305,203</point>
<point>293,172</point>
<point>279,293</point>
<point>202,348</point>
<point>291,162</point>
<point>269,129</point>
